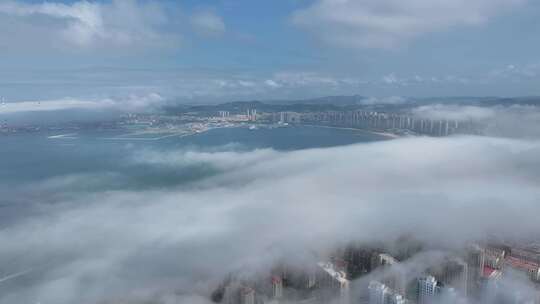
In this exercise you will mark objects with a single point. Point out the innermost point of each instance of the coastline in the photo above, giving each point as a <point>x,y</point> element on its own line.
<point>163,135</point>
<point>385,134</point>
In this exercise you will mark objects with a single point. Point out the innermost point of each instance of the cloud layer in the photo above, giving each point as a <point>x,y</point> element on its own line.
<point>125,104</point>
<point>390,23</point>
<point>95,247</point>
<point>86,25</point>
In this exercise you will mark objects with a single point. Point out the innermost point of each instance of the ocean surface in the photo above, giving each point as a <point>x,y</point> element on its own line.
<point>38,170</point>
<point>37,156</point>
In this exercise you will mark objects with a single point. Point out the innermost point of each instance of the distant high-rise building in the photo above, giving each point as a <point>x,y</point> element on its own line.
<point>359,260</point>
<point>396,299</point>
<point>289,117</point>
<point>277,287</point>
<point>247,295</point>
<point>382,259</point>
<point>235,292</point>
<point>535,274</point>
<point>452,272</point>
<point>428,290</point>
<point>475,260</point>
<point>382,294</point>
<point>334,280</point>
<point>494,259</point>
<point>378,293</point>
<point>251,114</point>
<point>392,275</point>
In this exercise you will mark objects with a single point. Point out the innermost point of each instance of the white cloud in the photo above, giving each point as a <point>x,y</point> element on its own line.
<point>391,79</point>
<point>134,244</point>
<point>208,23</point>
<point>394,80</point>
<point>454,112</point>
<point>385,100</point>
<point>127,103</point>
<point>86,24</point>
<point>223,160</point>
<point>245,83</point>
<point>516,72</point>
<point>49,105</point>
<point>132,102</point>
<point>272,83</point>
<point>390,23</point>
<point>301,79</point>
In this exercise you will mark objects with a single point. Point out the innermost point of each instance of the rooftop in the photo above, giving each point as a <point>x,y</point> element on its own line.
<point>331,270</point>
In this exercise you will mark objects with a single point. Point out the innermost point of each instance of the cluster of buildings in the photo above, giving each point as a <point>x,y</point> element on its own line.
<point>382,121</point>
<point>379,293</point>
<point>479,275</point>
<point>369,276</point>
<point>524,259</point>
<point>322,282</point>
<point>235,291</point>
<point>398,123</point>
<point>249,116</point>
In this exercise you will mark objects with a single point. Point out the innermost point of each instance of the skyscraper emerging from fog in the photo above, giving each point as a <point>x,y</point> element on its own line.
<point>428,289</point>
<point>475,260</point>
<point>277,287</point>
<point>378,292</point>
<point>392,274</point>
<point>334,280</point>
<point>382,294</point>
<point>247,295</point>
<point>452,272</point>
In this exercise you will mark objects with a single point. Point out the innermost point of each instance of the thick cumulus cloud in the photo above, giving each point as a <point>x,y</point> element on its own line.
<point>389,23</point>
<point>173,244</point>
<point>125,24</point>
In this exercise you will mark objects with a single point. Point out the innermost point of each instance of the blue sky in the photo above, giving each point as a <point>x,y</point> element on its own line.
<point>221,50</point>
